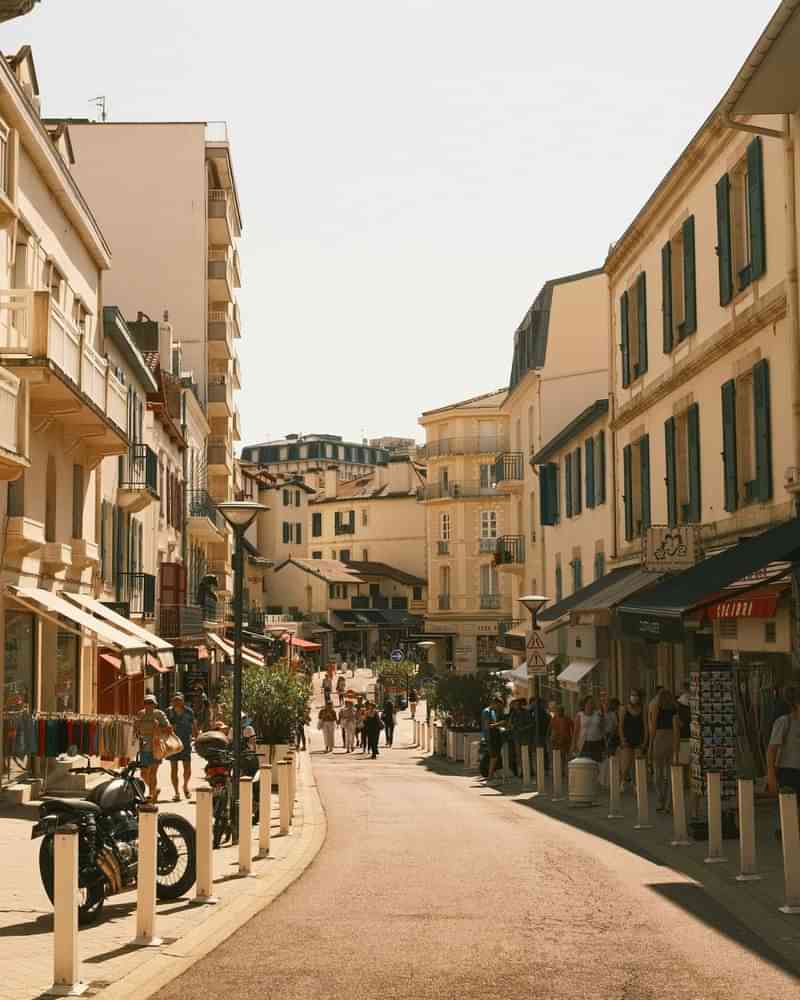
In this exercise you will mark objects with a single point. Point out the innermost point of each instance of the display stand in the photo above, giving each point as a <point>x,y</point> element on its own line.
<point>713,731</point>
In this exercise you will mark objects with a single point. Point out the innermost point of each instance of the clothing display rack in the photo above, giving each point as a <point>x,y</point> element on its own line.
<point>49,734</point>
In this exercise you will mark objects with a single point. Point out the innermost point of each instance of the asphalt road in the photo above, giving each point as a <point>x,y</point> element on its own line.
<point>429,886</point>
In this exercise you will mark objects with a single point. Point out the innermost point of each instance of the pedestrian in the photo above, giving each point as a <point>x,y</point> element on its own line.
<point>303,720</point>
<point>587,737</point>
<point>372,729</point>
<point>632,734</point>
<point>783,753</point>
<point>387,717</point>
<point>201,706</point>
<point>347,721</point>
<point>492,718</point>
<point>610,736</point>
<point>327,723</point>
<point>341,685</point>
<point>561,730</point>
<point>184,724</point>
<point>412,702</point>
<point>326,687</point>
<point>150,727</point>
<point>665,725</point>
<point>521,723</point>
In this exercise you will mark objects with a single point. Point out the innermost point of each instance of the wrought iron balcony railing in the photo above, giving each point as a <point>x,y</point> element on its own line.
<point>140,469</point>
<point>138,590</point>
<point>510,550</point>
<point>456,490</point>
<point>509,467</point>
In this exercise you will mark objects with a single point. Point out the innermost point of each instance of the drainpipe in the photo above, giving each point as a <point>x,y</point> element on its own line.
<point>185,468</point>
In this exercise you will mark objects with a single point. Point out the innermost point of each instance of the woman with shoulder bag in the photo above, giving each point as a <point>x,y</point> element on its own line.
<point>152,729</point>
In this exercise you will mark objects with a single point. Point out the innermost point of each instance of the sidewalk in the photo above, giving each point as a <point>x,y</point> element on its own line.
<point>109,963</point>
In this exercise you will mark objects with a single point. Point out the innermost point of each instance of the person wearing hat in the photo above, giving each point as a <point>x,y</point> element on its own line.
<point>182,720</point>
<point>150,726</point>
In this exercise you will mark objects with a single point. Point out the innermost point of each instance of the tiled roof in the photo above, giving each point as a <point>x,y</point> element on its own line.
<point>391,572</point>
<point>330,570</point>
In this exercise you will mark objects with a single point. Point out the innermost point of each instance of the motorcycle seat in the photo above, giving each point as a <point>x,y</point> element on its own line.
<point>72,805</point>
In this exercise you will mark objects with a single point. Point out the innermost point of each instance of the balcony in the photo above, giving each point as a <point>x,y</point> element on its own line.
<point>221,276</point>
<point>509,471</point>
<point>444,602</point>
<point>470,490</point>
<point>221,334</point>
<point>138,590</point>
<point>510,553</point>
<point>487,545</point>
<point>223,225</point>
<point>474,445</point>
<point>443,548</point>
<point>236,426</point>
<point>69,382</point>
<point>491,602</point>
<point>219,456</point>
<point>181,621</point>
<point>84,554</point>
<point>138,485</point>
<point>23,536</point>
<point>220,396</point>
<point>55,556</point>
<point>205,521</point>
<point>348,528</point>
<point>13,427</point>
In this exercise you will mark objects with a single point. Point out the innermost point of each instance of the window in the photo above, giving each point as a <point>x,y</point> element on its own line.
<point>286,500</point>
<point>444,527</point>
<point>599,565</point>
<point>678,287</point>
<point>577,573</point>
<point>488,579</point>
<point>741,236</point>
<point>549,493</point>
<point>344,555</point>
<point>365,555</point>
<point>559,580</point>
<point>297,498</point>
<point>486,475</point>
<point>682,450</point>
<point>77,501</point>
<point>572,482</point>
<point>337,591</point>
<point>298,533</point>
<point>633,330</point>
<point>286,532</point>
<point>747,438</point>
<point>364,518</point>
<point>488,524</point>
<point>444,479</point>
<point>316,524</point>
<point>599,456</point>
<point>636,478</point>
<point>416,593</point>
<point>315,555</point>
<point>444,580</point>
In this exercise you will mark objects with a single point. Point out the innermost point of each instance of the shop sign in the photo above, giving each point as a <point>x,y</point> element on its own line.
<point>651,627</point>
<point>669,550</point>
<point>753,607</point>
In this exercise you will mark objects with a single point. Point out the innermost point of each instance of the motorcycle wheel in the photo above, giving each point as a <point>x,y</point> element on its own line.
<point>176,863</point>
<point>222,824</point>
<point>91,899</point>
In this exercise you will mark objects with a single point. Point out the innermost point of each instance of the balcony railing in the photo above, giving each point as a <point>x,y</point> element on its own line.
<point>138,590</point>
<point>444,602</point>
<point>510,550</point>
<point>491,602</point>
<point>140,469</point>
<point>456,491</point>
<point>200,504</point>
<point>361,602</point>
<point>220,392</point>
<point>509,467</point>
<point>443,548</point>
<point>348,528</point>
<point>507,626</point>
<point>487,544</point>
<point>220,206</point>
<point>181,620</point>
<point>464,446</point>
<point>220,268</point>
<point>219,451</point>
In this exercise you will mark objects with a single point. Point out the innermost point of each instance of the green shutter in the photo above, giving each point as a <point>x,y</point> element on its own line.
<point>625,343</point>
<point>763,435</point>
<point>695,492</point>
<point>729,461</point>
<point>568,483</point>
<point>689,279</point>
<point>641,301</point>
<point>590,490</point>
<point>600,486</point>
<point>599,565</point>
<point>755,197</point>
<point>103,541</point>
<point>627,460</point>
<point>671,479</point>
<point>644,466</point>
<point>724,240</point>
<point>559,584</point>
<point>545,496</point>
<point>666,296</point>
<point>577,496</point>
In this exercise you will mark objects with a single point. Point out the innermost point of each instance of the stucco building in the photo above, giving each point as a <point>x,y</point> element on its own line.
<point>309,455</point>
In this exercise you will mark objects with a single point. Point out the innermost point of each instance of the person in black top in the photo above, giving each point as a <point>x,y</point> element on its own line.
<point>388,721</point>
<point>632,734</point>
<point>372,729</point>
<point>666,728</point>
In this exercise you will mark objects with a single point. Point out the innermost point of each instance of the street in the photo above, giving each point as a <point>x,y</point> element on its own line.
<point>429,886</point>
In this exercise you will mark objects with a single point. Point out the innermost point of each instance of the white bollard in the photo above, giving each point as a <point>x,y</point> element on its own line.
<point>264,809</point>
<point>714,789</point>
<point>541,777</point>
<point>146,878</point>
<point>245,825</point>
<point>430,737</point>
<point>292,787</point>
<point>284,791</point>
<point>642,795</point>
<point>558,776</point>
<point>614,808</point>
<point>204,839</point>
<point>525,754</point>
<point>790,842</point>
<point>748,868</point>
<point>680,831</point>
<point>66,968</point>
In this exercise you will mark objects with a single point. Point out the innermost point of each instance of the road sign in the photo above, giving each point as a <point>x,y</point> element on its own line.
<point>397,656</point>
<point>535,640</point>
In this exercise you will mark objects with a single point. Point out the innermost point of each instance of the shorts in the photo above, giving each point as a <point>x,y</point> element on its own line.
<point>789,777</point>
<point>495,742</point>
<point>146,758</point>
<point>181,755</point>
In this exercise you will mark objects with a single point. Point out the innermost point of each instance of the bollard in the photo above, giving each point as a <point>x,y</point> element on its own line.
<point>66,968</point>
<point>505,761</point>
<point>540,771</point>
<point>714,790</point>
<point>264,809</point>
<point>245,825</point>
<point>748,869</point>
<point>525,754</point>
<point>613,786</point>
<point>680,831</point>
<point>146,878</point>
<point>642,799</point>
<point>284,790</point>
<point>430,737</point>
<point>790,842</point>
<point>558,776</point>
<point>204,839</point>
<point>292,786</point>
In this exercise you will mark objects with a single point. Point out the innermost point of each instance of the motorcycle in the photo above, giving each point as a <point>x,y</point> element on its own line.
<point>219,775</point>
<point>108,841</point>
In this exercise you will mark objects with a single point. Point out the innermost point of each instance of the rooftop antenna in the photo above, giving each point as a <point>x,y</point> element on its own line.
<point>101,107</point>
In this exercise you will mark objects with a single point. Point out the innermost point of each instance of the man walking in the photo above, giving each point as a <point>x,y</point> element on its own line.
<point>341,684</point>
<point>182,720</point>
<point>347,720</point>
<point>372,729</point>
<point>327,718</point>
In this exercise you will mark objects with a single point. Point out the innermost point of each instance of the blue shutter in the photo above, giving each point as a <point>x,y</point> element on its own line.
<point>599,565</point>
<point>689,279</point>
<point>763,430</point>
<point>693,435</point>
<point>729,460</point>
<point>666,296</point>
<point>755,199</point>
<point>577,493</point>
<point>627,477</point>
<point>548,494</point>
<point>644,467</point>
<point>641,301</point>
<point>568,483</point>
<point>600,486</point>
<point>671,480</point>
<point>590,489</point>
<point>724,255</point>
<point>625,342</point>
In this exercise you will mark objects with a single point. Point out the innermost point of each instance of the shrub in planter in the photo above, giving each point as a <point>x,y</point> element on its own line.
<point>462,697</point>
<point>273,698</point>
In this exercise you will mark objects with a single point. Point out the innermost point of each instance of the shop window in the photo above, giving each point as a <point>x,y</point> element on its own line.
<point>19,693</point>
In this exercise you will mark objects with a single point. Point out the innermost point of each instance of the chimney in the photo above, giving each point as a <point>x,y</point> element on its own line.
<point>331,479</point>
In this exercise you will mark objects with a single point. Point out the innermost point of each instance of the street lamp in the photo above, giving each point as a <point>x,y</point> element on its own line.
<point>534,603</point>
<point>239,514</point>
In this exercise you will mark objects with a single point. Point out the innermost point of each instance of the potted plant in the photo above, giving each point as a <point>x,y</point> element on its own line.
<point>461,698</point>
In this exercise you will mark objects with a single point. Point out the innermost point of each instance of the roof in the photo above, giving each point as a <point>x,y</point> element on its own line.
<point>602,594</point>
<point>494,398</point>
<point>390,572</point>
<point>329,570</point>
<point>362,488</point>
<point>592,413</point>
<point>764,76</point>
<point>370,618</point>
<point>116,329</point>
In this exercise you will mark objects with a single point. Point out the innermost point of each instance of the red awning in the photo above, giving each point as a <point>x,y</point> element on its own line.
<point>758,605</point>
<point>300,643</point>
<point>110,661</point>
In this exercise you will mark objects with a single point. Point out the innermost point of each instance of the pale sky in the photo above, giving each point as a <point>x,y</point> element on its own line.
<point>410,171</point>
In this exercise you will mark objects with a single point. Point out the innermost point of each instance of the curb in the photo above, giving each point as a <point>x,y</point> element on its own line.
<point>257,893</point>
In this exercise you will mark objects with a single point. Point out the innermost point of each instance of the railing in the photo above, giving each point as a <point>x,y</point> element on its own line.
<point>474,445</point>
<point>200,504</point>
<point>443,548</point>
<point>9,395</point>
<point>509,467</point>
<point>491,602</point>
<point>359,602</point>
<point>506,626</point>
<point>178,620</point>
<point>487,545</point>
<point>456,491</point>
<point>220,206</point>
<point>444,602</point>
<point>220,391</point>
<point>348,528</point>
<point>139,591</point>
<point>140,469</point>
<point>510,550</point>
<point>220,266</point>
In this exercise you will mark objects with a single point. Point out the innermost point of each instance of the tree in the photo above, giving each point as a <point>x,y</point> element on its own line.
<point>464,696</point>
<point>399,675</point>
<point>274,698</point>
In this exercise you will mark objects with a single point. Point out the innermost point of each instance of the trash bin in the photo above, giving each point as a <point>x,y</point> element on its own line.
<point>584,781</point>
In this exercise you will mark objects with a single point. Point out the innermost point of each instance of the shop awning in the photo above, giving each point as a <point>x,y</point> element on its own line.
<point>602,594</point>
<point>155,664</point>
<point>572,675</point>
<point>227,648</point>
<point>110,661</point>
<point>133,651</point>
<point>298,643</point>
<point>163,649</point>
<point>373,618</point>
<point>520,674</point>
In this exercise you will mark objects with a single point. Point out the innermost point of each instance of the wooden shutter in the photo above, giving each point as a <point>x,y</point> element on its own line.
<point>671,480</point>
<point>172,583</point>
<point>600,484</point>
<point>627,460</point>
<point>761,403</point>
<point>316,524</point>
<point>693,435</point>
<point>590,488</point>
<point>568,482</point>
<point>755,197</point>
<point>644,467</point>
<point>666,296</point>
<point>729,458</point>
<point>689,279</point>
<point>577,495</point>
<point>298,533</point>
<point>724,240</point>
<point>285,532</point>
<point>625,342</point>
<point>641,301</point>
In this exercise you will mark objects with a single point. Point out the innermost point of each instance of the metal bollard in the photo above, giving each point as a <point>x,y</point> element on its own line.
<point>264,809</point>
<point>204,839</point>
<point>245,825</point>
<point>66,968</point>
<point>790,842</point>
<point>714,790</point>
<point>680,831</point>
<point>540,771</point>
<point>558,776</point>
<point>146,878</point>
<point>613,786</point>
<point>284,791</point>
<point>525,754</point>
<point>748,869</point>
<point>642,796</point>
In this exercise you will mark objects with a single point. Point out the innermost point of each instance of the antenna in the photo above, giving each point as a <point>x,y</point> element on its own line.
<point>101,107</point>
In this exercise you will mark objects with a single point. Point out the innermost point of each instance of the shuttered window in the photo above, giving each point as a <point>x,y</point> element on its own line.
<point>724,254</point>
<point>298,533</point>
<point>693,440</point>
<point>577,489</point>
<point>286,532</point>
<point>627,498</point>
<point>741,228</point>
<point>729,457</point>
<point>625,339</point>
<point>763,430</point>
<point>755,198</point>
<point>689,279</point>
<point>559,584</point>
<point>671,480</point>
<point>641,318</point>
<point>666,296</point>
<point>548,494</point>
<point>600,473</point>
<point>577,574</point>
<point>77,501</point>
<point>568,483</point>
<point>644,471</point>
<point>316,524</point>
<point>590,472</point>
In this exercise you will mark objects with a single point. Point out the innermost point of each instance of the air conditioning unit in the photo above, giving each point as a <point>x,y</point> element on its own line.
<point>791,478</point>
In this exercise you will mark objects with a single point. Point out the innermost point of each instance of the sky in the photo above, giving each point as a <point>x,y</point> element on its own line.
<point>410,171</point>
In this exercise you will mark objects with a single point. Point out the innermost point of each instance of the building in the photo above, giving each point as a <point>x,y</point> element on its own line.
<point>308,455</point>
<point>396,446</point>
<point>10,9</point>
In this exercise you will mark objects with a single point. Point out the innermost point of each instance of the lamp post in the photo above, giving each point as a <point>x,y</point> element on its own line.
<point>426,645</point>
<point>534,603</point>
<point>239,514</point>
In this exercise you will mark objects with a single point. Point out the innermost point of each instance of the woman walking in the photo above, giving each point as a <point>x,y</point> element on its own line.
<point>412,702</point>
<point>665,725</point>
<point>588,736</point>
<point>347,720</point>
<point>372,730</point>
<point>327,723</point>
<point>632,735</point>
<point>388,721</point>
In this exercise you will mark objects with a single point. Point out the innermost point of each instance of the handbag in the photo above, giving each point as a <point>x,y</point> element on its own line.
<point>166,747</point>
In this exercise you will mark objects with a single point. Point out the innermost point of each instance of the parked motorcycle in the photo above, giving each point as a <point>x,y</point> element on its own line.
<point>219,775</point>
<point>108,841</point>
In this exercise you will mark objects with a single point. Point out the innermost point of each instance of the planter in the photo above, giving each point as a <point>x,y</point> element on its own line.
<point>472,751</point>
<point>439,741</point>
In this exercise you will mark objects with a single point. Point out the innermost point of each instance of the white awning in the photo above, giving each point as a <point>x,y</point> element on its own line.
<point>227,648</point>
<point>134,651</point>
<point>573,674</point>
<point>163,648</point>
<point>520,674</point>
